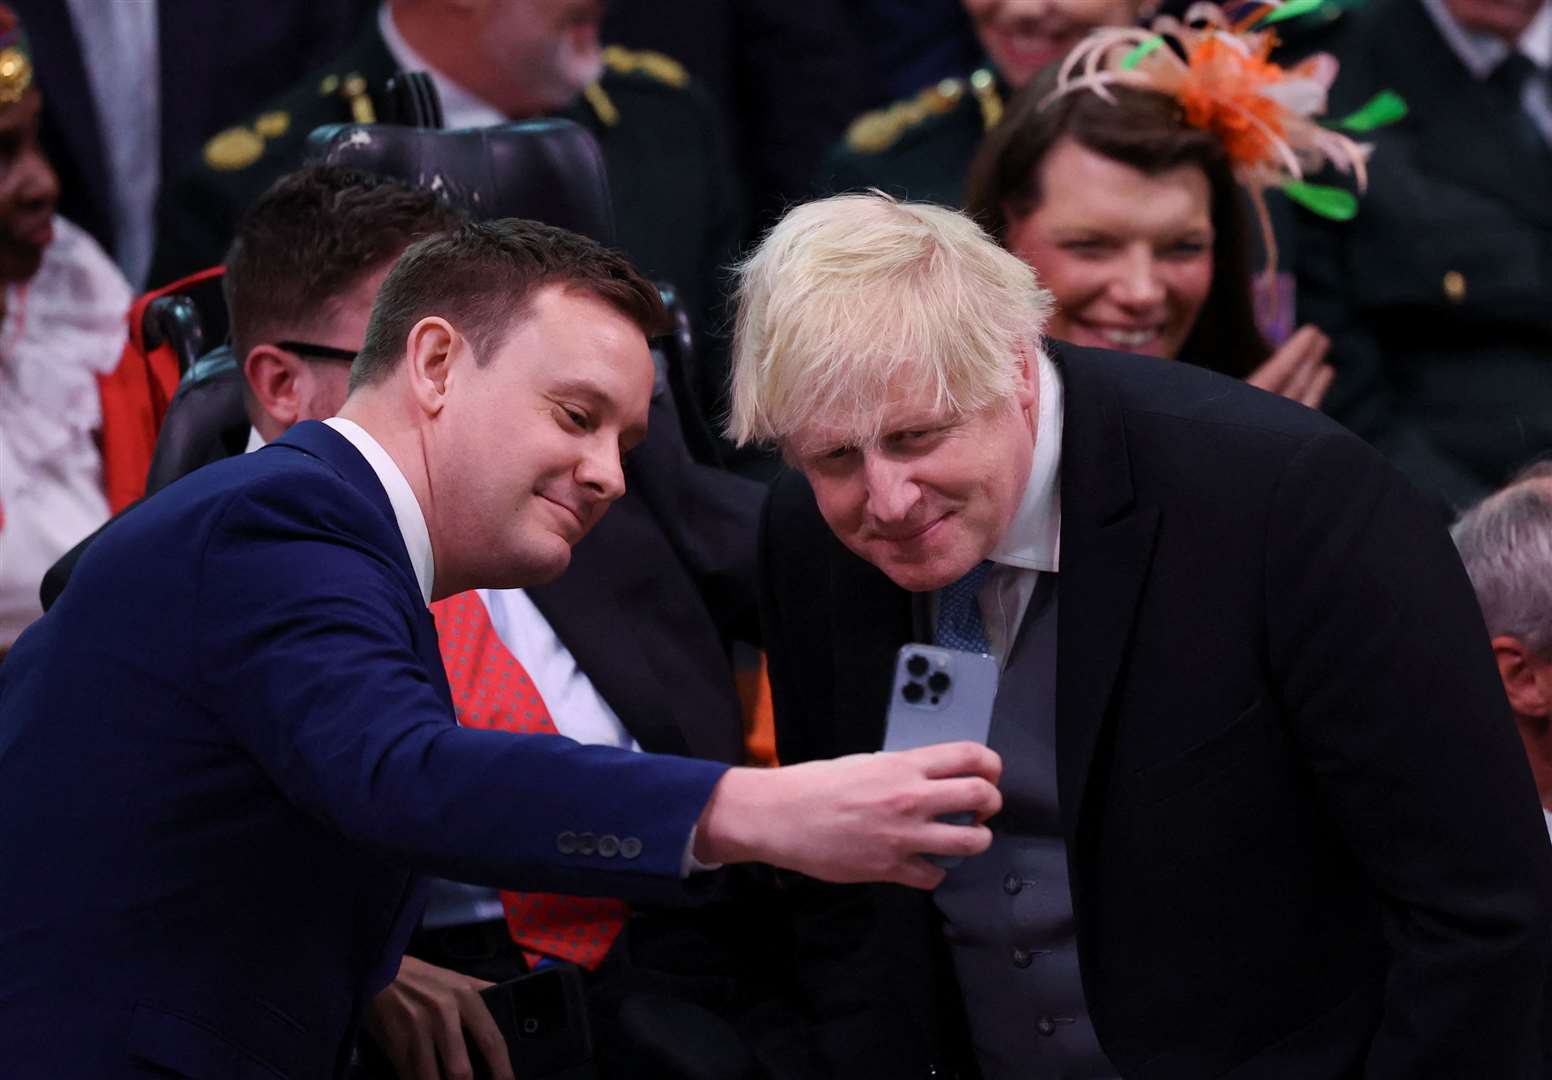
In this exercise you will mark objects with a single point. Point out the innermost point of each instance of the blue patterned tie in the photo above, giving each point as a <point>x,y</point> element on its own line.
<point>959,612</point>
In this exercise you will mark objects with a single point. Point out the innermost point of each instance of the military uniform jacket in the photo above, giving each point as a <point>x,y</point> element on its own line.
<point>676,205</point>
<point>920,148</point>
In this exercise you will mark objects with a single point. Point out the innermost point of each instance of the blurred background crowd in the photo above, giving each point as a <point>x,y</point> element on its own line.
<point>1423,322</point>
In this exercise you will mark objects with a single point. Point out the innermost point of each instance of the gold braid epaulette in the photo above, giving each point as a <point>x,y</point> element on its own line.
<point>876,131</point>
<point>654,65</point>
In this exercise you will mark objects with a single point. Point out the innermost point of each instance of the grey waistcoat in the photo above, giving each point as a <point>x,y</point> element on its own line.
<point>1008,913</point>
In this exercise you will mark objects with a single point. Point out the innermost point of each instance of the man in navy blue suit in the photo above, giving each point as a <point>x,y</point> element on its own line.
<point>229,748</point>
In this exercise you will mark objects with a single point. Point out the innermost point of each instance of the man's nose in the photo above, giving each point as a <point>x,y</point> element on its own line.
<point>601,471</point>
<point>891,490</point>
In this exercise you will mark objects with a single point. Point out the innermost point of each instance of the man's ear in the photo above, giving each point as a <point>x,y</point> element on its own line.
<point>1026,380</point>
<point>272,378</point>
<point>1527,680</point>
<point>429,353</point>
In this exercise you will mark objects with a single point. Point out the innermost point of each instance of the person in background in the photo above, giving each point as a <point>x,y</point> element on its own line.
<point>920,148</point>
<point>136,88</point>
<point>1506,543</point>
<point>677,210</point>
<point>1131,216</point>
<point>64,306</point>
<point>1438,295</point>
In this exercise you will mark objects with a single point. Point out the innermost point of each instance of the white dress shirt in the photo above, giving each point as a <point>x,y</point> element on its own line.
<point>1482,53</point>
<point>1032,545</point>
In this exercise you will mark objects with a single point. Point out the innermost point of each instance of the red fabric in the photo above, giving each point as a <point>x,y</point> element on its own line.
<point>135,396</point>
<point>491,690</point>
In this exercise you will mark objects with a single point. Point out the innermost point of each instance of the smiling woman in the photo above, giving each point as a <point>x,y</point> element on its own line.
<point>1132,218</point>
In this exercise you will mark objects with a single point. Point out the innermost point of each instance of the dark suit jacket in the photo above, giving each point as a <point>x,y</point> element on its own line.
<point>1302,836</point>
<point>1438,295</point>
<point>219,774</point>
<point>218,61</point>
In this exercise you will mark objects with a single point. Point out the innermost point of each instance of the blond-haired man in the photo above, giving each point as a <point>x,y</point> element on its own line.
<point>1265,813</point>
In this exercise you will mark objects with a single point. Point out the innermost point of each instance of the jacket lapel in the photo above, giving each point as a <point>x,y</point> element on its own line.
<point>1107,547</point>
<point>870,618</point>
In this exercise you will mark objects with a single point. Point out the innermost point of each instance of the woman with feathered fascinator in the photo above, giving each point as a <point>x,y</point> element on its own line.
<point>1122,175</point>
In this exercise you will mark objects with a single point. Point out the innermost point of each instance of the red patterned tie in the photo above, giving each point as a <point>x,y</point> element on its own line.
<point>491,690</point>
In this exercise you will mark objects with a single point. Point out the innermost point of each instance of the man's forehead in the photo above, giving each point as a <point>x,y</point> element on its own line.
<point>867,424</point>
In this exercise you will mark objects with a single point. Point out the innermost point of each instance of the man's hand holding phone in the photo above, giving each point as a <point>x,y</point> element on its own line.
<point>866,817</point>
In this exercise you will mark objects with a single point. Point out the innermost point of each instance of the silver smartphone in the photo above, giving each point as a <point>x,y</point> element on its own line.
<point>940,695</point>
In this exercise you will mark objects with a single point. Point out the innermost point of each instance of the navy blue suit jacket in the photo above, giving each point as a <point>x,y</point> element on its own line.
<point>220,772</point>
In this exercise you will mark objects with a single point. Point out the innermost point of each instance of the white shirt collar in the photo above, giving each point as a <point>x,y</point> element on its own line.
<point>255,441</point>
<point>406,509</point>
<point>1482,53</point>
<point>1034,537</point>
<point>460,108</point>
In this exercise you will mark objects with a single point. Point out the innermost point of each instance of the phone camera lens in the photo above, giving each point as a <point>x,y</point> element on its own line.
<point>912,692</point>
<point>939,682</point>
<point>917,665</point>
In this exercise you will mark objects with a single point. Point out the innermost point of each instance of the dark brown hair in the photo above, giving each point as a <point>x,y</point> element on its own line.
<point>310,239</point>
<point>482,277</point>
<point>1147,131</point>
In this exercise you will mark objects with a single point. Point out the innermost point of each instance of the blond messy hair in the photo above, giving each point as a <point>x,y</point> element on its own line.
<point>853,297</point>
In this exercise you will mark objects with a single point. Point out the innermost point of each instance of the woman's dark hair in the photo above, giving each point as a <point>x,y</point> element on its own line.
<point>1147,131</point>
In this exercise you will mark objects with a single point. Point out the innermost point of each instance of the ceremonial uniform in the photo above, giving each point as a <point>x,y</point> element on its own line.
<point>675,204</point>
<point>919,148</point>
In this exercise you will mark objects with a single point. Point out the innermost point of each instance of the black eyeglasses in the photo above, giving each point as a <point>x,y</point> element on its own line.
<point>320,352</point>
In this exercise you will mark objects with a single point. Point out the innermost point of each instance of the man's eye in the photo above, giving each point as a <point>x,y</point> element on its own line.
<point>912,437</point>
<point>577,418</point>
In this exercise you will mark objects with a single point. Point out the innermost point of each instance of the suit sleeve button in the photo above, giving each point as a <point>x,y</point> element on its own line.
<point>1046,1026</point>
<point>630,847</point>
<point>608,845</point>
<point>566,843</point>
<point>1012,884</point>
<point>587,843</point>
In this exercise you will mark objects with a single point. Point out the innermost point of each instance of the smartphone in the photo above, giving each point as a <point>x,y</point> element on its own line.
<point>543,1016</point>
<point>940,695</point>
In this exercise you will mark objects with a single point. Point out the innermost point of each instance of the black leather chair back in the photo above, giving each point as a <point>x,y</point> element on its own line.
<point>206,420</point>
<point>546,170</point>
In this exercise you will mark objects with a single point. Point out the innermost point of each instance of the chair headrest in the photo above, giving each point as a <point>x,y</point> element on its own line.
<point>545,170</point>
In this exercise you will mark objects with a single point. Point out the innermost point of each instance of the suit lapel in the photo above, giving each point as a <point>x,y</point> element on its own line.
<point>870,618</point>
<point>1107,547</point>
